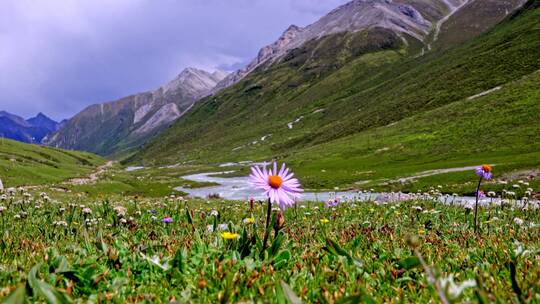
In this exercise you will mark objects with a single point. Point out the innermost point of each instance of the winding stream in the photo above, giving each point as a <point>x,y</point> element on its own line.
<point>239,188</point>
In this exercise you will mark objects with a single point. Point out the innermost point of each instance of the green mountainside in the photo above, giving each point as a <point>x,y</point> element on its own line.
<point>357,106</point>
<point>28,164</point>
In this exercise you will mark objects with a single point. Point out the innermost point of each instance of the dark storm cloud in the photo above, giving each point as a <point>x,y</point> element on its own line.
<point>59,56</point>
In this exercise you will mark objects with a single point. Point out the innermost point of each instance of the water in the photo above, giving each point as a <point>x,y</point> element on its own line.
<point>239,188</point>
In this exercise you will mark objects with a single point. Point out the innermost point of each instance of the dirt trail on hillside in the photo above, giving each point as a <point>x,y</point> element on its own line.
<point>93,177</point>
<point>433,172</point>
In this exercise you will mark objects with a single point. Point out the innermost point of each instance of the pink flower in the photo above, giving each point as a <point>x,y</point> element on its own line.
<point>484,171</point>
<point>279,186</point>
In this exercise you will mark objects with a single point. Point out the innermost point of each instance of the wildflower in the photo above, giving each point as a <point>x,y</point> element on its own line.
<point>249,220</point>
<point>417,208</point>
<point>280,222</point>
<point>167,220</point>
<point>123,221</point>
<point>421,232</point>
<point>153,217</point>
<point>230,236</point>
<point>210,228</point>
<point>152,211</point>
<point>279,186</point>
<point>516,186</point>
<point>1,186</point>
<point>332,203</point>
<point>61,210</point>
<point>481,194</point>
<point>120,211</point>
<point>3,197</point>
<point>518,221</point>
<point>491,194</point>
<point>2,208</point>
<point>214,213</point>
<point>87,210</point>
<point>484,171</point>
<point>324,220</point>
<point>455,290</point>
<point>223,227</point>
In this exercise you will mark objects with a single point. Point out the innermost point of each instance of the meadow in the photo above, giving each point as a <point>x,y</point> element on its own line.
<point>77,248</point>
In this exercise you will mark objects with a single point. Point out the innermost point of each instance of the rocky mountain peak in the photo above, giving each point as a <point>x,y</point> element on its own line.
<point>194,81</point>
<point>356,15</point>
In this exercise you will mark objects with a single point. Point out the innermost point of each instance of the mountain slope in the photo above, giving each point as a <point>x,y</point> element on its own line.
<point>310,99</point>
<point>118,126</point>
<point>32,130</point>
<point>27,164</point>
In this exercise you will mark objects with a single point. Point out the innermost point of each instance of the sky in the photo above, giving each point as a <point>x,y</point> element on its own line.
<point>59,56</point>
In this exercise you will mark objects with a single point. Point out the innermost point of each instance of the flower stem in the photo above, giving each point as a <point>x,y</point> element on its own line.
<point>266,230</point>
<point>476,206</point>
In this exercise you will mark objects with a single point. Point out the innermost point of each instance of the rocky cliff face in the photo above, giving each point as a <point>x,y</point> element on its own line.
<point>126,123</point>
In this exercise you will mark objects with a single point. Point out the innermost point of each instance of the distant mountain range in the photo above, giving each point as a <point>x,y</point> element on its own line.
<point>119,126</point>
<point>31,130</point>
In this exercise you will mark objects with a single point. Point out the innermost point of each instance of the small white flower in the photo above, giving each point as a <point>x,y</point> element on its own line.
<point>491,194</point>
<point>87,210</point>
<point>62,210</point>
<point>120,211</point>
<point>153,218</point>
<point>455,290</point>
<point>123,220</point>
<point>214,213</point>
<point>2,208</point>
<point>518,221</point>
<point>417,208</point>
<point>515,186</point>
<point>210,228</point>
<point>223,227</point>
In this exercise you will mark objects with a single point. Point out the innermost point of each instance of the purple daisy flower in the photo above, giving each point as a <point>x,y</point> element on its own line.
<point>279,186</point>
<point>167,220</point>
<point>484,171</point>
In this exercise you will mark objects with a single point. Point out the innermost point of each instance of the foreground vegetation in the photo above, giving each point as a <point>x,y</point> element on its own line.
<point>159,250</point>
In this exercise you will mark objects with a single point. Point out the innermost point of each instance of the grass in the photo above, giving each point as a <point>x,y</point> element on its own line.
<point>26,164</point>
<point>59,251</point>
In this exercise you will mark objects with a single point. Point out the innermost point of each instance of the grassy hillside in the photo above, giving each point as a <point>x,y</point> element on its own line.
<point>26,164</point>
<point>340,110</point>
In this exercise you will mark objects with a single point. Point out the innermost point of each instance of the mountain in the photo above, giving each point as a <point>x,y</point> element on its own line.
<point>419,19</point>
<point>370,103</point>
<point>121,125</point>
<point>32,130</point>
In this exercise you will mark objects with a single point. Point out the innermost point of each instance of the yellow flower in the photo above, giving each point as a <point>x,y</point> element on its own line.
<point>421,232</point>
<point>324,221</point>
<point>230,236</point>
<point>249,220</point>
<point>371,210</point>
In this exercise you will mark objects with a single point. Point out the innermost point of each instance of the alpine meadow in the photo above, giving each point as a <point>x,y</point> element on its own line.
<point>382,151</point>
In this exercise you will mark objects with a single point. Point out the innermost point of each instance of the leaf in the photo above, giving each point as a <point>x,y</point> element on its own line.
<point>51,294</point>
<point>17,297</point>
<point>276,244</point>
<point>333,248</point>
<point>289,294</point>
<point>282,259</point>
<point>409,263</point>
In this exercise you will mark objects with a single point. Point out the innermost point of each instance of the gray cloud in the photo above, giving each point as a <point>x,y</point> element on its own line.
<point>58,56</point>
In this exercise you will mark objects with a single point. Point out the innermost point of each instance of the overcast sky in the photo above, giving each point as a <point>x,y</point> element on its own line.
<point>58,56</point>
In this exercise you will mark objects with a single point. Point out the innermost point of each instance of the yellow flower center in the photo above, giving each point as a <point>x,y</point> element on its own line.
<point>275,181</point>
<point>486,168</point>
